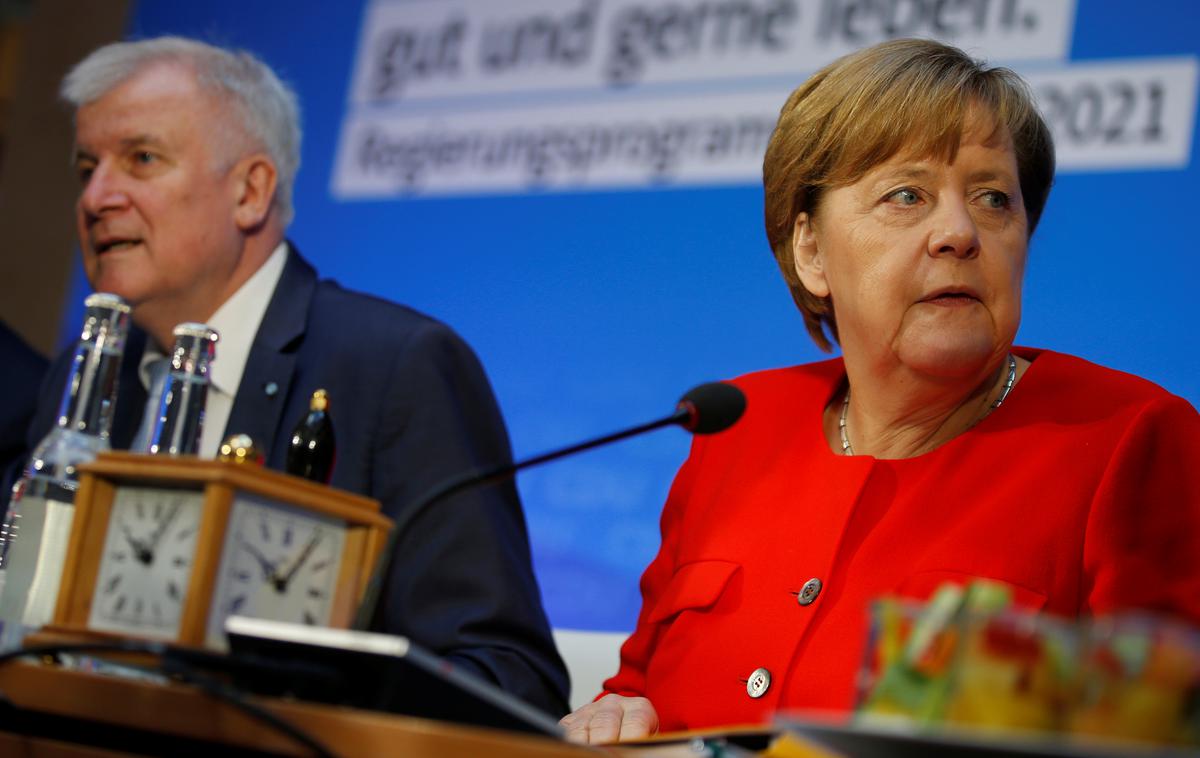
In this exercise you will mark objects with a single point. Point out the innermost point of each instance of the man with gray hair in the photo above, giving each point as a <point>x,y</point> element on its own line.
<point>186,155</point>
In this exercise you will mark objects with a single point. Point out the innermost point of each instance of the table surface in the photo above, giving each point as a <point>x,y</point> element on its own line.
<point>178,711</point>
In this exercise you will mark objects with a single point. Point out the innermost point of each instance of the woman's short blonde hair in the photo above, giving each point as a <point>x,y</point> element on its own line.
<point>862,109</point>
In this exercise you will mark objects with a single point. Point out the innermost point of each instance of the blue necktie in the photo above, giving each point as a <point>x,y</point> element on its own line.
<point>157,370</point>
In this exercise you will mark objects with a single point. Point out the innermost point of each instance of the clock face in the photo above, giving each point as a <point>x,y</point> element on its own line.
<point>147,561</point>
<point>279,563</point>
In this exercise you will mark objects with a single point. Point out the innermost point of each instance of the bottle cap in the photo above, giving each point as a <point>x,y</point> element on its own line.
<point>195,345</point>
<point>106,300</point>
<point>197,330</point>
<point>105,319</point>
<point>320,401</point>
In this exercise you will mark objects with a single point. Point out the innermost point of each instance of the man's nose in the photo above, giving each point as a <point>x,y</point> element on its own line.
<point>103,192</point>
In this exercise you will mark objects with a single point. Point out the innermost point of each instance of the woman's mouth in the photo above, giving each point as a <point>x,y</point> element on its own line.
<point>952,299</point>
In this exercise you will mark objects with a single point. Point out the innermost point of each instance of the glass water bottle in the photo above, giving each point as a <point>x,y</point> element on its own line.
<point>180,409</point>
<point>33,539</point>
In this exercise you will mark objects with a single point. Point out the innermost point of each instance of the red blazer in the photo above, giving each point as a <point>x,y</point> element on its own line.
<point>1082,491</point>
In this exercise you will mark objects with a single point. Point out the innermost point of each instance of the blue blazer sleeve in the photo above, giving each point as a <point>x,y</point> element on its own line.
<point>462,581</point>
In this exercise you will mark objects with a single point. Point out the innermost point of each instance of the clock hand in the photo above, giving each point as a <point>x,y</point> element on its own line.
<point>268,566</point>
<point>281,582</point>
<point>142,553</point>
<point>162,529</point>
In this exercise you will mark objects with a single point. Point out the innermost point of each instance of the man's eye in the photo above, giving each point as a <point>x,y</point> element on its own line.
<point>144,157</point>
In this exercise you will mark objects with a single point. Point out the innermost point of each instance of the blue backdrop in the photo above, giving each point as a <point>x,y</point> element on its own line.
<point>596,309</point>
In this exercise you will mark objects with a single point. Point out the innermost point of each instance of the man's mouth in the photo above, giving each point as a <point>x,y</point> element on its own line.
<point>112,245</point>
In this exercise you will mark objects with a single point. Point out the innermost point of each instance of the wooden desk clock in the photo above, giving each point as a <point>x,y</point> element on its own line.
<point>166,548</point>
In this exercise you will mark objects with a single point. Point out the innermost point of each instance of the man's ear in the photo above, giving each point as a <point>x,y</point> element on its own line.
<point>807,256</point>
<point>255,180</point>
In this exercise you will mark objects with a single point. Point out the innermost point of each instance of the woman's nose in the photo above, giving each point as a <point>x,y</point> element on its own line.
<point>954,231</point>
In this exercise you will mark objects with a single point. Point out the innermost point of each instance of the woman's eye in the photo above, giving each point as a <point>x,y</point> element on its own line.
<point>996,199</point>
<point>905,197</point>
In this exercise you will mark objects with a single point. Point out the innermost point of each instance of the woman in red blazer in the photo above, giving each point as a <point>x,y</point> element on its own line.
<point>902,185</point>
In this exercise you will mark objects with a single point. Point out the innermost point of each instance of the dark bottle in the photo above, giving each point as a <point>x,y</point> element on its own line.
<point>312,449</point>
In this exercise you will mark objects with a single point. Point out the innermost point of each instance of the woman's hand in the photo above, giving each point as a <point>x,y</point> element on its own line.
<point>612,718</point>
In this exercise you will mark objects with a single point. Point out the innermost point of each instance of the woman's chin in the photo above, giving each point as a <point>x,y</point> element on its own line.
<point>948,356</point>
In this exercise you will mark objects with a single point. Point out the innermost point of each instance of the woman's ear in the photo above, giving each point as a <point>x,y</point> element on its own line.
<point>807,257</point>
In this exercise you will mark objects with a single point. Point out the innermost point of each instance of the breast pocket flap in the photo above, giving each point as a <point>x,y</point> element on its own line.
<point>695,586</point>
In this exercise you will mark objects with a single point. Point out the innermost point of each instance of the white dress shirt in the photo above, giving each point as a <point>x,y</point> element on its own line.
<point>236,321</point>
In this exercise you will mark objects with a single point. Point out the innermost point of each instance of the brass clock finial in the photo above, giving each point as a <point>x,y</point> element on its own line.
<point>239,448</point>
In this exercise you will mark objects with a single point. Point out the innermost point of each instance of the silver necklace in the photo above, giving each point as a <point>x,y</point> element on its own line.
<point>1008,385</point>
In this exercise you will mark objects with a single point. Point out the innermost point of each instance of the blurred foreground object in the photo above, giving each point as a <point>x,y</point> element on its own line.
<point>968,657</point>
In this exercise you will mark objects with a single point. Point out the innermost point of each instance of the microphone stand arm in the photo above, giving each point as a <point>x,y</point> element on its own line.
<point>684,414</point>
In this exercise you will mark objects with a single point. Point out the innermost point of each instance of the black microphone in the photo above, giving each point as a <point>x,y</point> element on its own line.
<point>707,409</point>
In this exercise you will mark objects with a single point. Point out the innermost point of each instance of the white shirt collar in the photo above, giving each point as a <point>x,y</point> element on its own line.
<point>236,321</point>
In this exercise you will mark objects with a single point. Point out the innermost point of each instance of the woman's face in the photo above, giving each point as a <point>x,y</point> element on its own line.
<point>923,258</point>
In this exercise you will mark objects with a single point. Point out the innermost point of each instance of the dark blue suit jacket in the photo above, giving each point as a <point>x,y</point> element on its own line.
<point>21,370</point>
<point>411,406</point>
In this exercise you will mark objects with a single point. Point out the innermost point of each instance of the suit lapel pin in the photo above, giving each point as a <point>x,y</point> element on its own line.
<point>271,389</point>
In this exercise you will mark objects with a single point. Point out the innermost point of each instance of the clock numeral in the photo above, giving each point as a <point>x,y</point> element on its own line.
<point>158,511</point>
<point>179,562</point>
<point>138,605</point>
<point>140,510</point>
<point>310,619</point>
<point>287,536</point>
<point>173,590</point>
<point>156,609</point>
<point>266,531</point>
<point>320,566</point>
<point>315,592</point>
<point>242,576</point>
<point>111,587</point>
<point>119,605</point>
<point>120,556</point>
<point>236,604</point>
<point>185,534</point>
